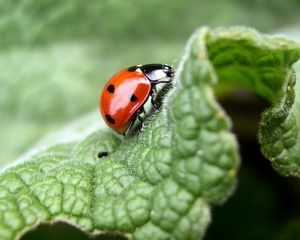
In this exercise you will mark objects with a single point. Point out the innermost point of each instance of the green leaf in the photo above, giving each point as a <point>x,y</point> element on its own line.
<point>158,183</point>
<point>265,68</point>
<point>280,127</point>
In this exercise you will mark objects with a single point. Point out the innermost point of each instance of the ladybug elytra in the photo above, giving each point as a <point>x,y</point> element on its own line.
<point>124,95</point>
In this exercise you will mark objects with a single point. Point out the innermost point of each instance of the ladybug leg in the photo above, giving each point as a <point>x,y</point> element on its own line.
<point>142,109</point>
<point>152,95</point>
<point>163,81</point>
<point>139,112</point>
<point>154,88</point>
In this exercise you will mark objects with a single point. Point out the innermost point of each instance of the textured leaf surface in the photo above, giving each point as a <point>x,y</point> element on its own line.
<point>280,128</point>
<point>158,183</point>
<point>266,71</point>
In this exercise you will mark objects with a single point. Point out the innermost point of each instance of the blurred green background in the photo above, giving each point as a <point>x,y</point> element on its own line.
<point>56,55</point>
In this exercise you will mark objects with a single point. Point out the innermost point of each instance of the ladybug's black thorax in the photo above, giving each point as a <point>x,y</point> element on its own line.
<point>132,69</point>
<point>153,72</point>
<point>147,68</point>
<point>156,72</point>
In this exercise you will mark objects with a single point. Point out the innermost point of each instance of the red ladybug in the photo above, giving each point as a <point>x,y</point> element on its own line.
<point>125,94</point>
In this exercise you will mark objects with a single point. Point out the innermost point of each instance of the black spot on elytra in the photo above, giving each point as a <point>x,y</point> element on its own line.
<point>109,119</point>
<point>111,88</point>
<point>132,69</point>
<point>133,98</point>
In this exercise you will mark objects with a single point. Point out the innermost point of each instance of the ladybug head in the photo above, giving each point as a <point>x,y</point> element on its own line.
<point>168,70</point>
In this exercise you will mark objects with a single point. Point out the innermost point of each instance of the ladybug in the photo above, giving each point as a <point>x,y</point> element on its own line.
<point>124,95</point>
